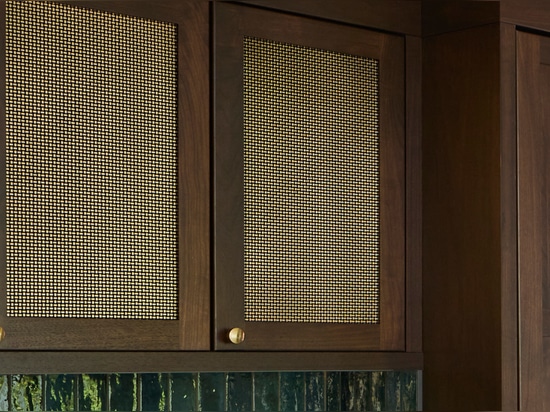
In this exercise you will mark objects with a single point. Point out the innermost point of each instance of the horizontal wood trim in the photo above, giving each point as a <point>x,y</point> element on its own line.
<point>446,16</point>
<point>303,336</point>
<point>89,334</point>
<point>30,362</point>
<point>162,10</point>
<point>397,16</point>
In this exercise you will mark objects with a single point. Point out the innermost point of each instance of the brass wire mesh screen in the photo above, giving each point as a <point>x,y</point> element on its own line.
<point>91,188</point>
<point>311,185</point>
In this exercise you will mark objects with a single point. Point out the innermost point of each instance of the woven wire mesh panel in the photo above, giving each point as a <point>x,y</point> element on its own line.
<point>311,184</point>
<point>91,159</point>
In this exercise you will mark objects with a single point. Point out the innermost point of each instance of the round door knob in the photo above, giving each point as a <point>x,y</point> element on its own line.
<point>236,336</point>
<point>2,334</point>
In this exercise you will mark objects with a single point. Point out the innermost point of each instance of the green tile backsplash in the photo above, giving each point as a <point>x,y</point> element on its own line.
<point>232,391</point>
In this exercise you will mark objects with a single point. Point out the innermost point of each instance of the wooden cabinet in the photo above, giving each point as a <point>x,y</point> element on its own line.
<point>104,215</point>
<point>309,197</point>
<point>183,87</point>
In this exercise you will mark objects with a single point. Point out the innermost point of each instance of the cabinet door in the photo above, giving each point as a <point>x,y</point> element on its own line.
<point>104,194</point>
<point>533,85</point>
<point>309,183</point>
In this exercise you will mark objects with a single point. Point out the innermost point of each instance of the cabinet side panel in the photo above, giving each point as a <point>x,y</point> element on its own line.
<point>533,185</point>
<point>461,221</point>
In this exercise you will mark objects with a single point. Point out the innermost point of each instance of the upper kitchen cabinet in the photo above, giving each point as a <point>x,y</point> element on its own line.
<point>104,212</point>
<point>124,218</point>
<point>310,184</point>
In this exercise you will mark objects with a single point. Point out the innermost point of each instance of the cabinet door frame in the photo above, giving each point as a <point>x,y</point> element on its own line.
<point>231,24</point>
<point>191,329</point>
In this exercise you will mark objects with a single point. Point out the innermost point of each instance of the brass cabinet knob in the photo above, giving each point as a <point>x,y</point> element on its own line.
<point>2,334</point>
<point>236,336</point>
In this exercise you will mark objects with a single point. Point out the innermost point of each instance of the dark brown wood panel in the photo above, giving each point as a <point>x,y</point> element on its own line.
<point>545,53</point>
<point>194,83</point>
<point>533,179</point>
<point>527,13</point>
<point>231,23</point>
<point>545,187</point>
<point>392,193</point>
<point>508,224</point>
<point>31,362</point>
<point>413,72</point>
<point>446,16</point>
<point>192,329</point>
<point>462,220</point>
<point>397,16</point>
<point>546,378</point>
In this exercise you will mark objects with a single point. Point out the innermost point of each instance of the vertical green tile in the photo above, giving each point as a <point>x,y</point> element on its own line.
<point>26,393</point>
<point>315,391</point>
<point>60,391</point>
<point>123,389</point>
<point>211,392</point>
<point>333,394</point>
<point>377,391</point>
<point>393,391</point>
<point>266,391</point>
<point>292,391</point>
<point>184,392</point>
<point>355,391</point>
<point>92,392</point>
<point>408,391</point>
<point>4,401</point>
<point>419,404</point>
<point>154,391</point>
<point>239,391</point>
